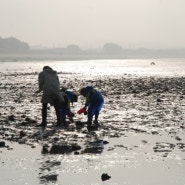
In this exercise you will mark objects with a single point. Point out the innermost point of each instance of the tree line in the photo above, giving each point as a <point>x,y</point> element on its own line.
<point>12,44</point>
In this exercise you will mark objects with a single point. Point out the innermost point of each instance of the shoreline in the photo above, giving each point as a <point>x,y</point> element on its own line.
<point>18,57</point>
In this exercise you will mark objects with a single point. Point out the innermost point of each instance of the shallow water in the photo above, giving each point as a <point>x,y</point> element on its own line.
<point>19,164</point>
<point>142,121</point>
<point>162,67</point>
<point>128,160</point>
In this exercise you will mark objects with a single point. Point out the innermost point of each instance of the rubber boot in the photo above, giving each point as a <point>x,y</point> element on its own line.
<point>89,121</point>
<point>58,116</point>
<point>58,113</point>
<point>96,120</point>
<point>44,117</point>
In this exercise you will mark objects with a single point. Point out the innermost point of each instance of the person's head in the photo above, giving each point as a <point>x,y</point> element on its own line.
<point>82,91</point>
<point>85,90</point>
<point>47,67</point>
<point>63,89</point>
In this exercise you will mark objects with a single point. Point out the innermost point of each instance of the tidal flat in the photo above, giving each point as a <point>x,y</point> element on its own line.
<point>140,140</point>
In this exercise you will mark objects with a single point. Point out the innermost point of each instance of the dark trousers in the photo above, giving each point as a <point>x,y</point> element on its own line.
<point>44,113</point>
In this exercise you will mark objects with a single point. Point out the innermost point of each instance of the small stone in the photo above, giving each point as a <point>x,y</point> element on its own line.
<point>2,144</point>
<point>105,177</point>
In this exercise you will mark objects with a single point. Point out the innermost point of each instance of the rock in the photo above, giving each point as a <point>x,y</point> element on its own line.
<point>11,118</point>
<point>105,142</point>
<point>159,100</point>
<point>92,128</point>
<point>105,177</point>
<point>22,141</point>
<point>178,138</point>
<point>95,147</point>
<point>22,134</point>
<point>59,149</point>
<point>79,124</point>
<point>76,153</point>
<point>75,147</point>
<point>49,178</point>
<point>44,150</point>
<point>63,148</point>
<point>2,144</point>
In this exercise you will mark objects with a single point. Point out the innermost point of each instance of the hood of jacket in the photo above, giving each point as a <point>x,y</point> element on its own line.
<point>49,71</point>
<point>87,89</point>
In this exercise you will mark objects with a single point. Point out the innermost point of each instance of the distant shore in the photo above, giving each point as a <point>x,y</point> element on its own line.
<point>41,56</point>
<point>56,57</point>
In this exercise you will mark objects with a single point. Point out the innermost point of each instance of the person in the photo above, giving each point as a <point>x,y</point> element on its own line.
<point>94,102</point>
<point>65,108</point>
<point>49,83</point>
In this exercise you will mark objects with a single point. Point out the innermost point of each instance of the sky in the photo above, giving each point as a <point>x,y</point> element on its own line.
<point>92,23</point>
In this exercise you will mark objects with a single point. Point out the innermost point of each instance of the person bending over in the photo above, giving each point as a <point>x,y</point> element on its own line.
<point>94,103</point>
<point>49,84</point>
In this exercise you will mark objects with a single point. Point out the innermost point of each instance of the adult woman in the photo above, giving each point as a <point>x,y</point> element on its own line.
<point>49,83</point>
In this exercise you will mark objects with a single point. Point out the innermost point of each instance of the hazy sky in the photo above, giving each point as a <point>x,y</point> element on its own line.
<point>92,23</point>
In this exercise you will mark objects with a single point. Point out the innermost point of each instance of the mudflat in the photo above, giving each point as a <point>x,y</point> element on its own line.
<point>140,139</point>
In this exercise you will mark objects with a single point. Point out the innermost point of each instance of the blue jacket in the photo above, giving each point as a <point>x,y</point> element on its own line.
<point>93,97</point>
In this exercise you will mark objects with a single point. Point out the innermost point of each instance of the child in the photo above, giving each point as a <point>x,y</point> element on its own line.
<point>69,97</point>
<point>94,102</point>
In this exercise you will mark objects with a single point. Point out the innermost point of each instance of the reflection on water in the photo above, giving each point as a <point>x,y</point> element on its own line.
<point>122,159</point>
<point>66,158</point>
<point>19,165</point>
<point>162,67</point>
<point>121,163</point>
<point>95,147</point>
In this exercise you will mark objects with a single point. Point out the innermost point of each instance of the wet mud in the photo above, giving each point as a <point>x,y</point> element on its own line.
<point>150,105</point>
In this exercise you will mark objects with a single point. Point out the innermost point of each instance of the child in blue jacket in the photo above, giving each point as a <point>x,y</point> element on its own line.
<point>94,102</point>
<point>65,111</point>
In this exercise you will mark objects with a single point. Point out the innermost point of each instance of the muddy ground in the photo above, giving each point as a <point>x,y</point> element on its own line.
<point>150,105</point>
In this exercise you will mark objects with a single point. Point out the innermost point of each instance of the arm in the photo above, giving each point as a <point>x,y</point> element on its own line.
<point>87,102</point>
<point>40,82</point>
